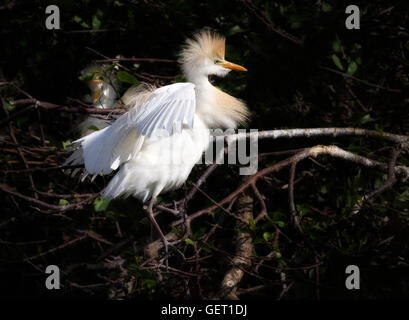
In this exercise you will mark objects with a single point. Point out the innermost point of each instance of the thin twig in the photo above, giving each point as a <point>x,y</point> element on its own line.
<point>43,204</point>
<point>151,60</point>
<point>345,75</point>
<point>120,65</point>
<point>262,17</point>
<point>293,209</point>
<point>66,244</point>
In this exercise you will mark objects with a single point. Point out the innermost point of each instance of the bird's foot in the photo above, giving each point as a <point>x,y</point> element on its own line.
<point>167,245</point>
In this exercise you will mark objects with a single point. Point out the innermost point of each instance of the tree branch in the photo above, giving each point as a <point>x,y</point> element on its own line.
<point>243,252</point>
<point>323,132</point>
<point>331,150</point>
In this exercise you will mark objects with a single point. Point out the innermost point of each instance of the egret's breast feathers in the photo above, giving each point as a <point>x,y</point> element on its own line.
<point>220,110</point>
<point>229,107</point>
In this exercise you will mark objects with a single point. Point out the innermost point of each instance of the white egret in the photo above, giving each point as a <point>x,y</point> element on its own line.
<point>166,130</point>
<point>103,94</point>
<point>103,86</point>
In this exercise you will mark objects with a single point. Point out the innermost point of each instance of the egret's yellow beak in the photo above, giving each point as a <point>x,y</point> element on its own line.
<point>232,66</point>
<point>96,95</point>
<point>96,87</point>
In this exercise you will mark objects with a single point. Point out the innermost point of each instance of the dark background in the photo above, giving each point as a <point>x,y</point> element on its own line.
<point>292,82</point>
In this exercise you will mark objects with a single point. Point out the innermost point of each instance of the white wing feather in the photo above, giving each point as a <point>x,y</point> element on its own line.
<point>167,106</point>
<point>170,107</point>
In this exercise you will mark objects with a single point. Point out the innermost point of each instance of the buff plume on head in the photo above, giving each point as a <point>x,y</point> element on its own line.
<point>205,44</point>
<point>203,55</point>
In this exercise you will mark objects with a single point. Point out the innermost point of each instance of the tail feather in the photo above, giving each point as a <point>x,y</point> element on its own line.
<point>105,150</point>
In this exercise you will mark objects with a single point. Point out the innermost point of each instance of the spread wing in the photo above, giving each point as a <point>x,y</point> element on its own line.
<point>169,108</point>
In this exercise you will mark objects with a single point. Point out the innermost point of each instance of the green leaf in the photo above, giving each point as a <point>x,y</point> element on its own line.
<point>177,231</point>
<point>95,128</point>
<point>252,224</point>
<point>99,13</point>
<point>112,66</point>
<point>124,76</point>
<point>233,30</point>
<point>366,118</point>
<point>65,144</point>
<point>238,232</point>
<point>96,23</point>
<point>378,182</point>
<point>258,240</point>
<point>63,202</point>
<point>302,209</point>
<point>81,22</point>
<point>268,236</point>
<point>278,216</point>
<point>280,223</point>
<point>404,79</point>
<point>296,22</point>
<point>101,204</point>
<point>190,242</point>
<point>8,104</point>
<point>404,196</point>
<point>88,76</point>
<point>326,7</point>
<point>379,128</point>
<point>21,121</point>
<point>337,62</point>
<point>352,68</point>
<point>336,46</point>
<point>148,283</point>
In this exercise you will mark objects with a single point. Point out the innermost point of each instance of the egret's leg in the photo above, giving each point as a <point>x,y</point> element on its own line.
<point>153,220</point>
<point>155,224</point>
<point>159,230</point>
<point>166,243</point>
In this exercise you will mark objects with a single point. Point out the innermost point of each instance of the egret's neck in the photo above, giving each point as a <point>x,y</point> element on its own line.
<point>200,81</point>
<point>204,98</point>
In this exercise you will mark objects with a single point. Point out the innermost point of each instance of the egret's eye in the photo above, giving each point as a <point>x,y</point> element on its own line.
<point>217,61</point>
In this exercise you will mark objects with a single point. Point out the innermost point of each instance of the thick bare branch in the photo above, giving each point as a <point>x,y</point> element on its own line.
<point>323,132</point>
<point>333,151</point>
<point>243,252</point>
